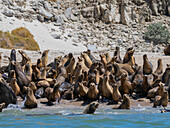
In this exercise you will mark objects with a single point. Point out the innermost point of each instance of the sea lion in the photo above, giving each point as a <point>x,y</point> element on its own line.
<point>93,66</point>
<point>15,87</point>
<point>93,59</point>
<point>127,68</point>
<point>20,75</point>
<point>24,57</point>
<point>145,86</point>
<point>166,74</point>
<point>107,90</point>
<point>87,60</point>
<point>167,50</point>
<point>101,68</point>
<point>103,60</point>
<point>81,61</point>
<point>93,92</point>
<point>63,60</point>
<point>2,105</point>
<point>36,71</point>
<point>78,71</point>
<point>44,58</point>
<point>70,56</point>
<point>108,57</point>
<point>31,101</point>
<point>126,87</point>
<point>28,69</point>
<point>118,71</point>
<point>125,104</point>
<point>52,94</point>
<point>11,75</point>
<point>97,76</point>
<point>129,58</point>
<point>43,83</point>
<point>116,94</point>
<point>117,55</point>
<point>91,108</point>
<point>147,65</point>
<point>69,94</point>
<point>71,66</point>
<point>39,63</point>
<point>159,69</point>
<point>82,90</point>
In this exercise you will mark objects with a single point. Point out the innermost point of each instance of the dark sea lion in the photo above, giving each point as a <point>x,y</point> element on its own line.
<point>39,63</point>
<point>93,92</point>
<point>125,104</point>
<point>11,75</point>
<point>91,108</point>
<point>166,74</point>
<point>93,66</point>
<point>167,50</point>
<point>70,56</point>
<point>145,86</point>
<point>20,75</point>
<point>126,87</point>
<point>159,69</point>
<point>52,94</point>
<point>2,105</point>
<point>63,60</point>
<point>87,60</point>
<point>93,59</point>
<point>44,58</point>
<point>147,65</point>
<point>69,94</point>
<point>116,94</point>
<point>117,55</point>
<point>30,101</point>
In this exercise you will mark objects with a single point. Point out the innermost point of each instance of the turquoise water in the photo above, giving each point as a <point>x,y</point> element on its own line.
<point>73,117</point>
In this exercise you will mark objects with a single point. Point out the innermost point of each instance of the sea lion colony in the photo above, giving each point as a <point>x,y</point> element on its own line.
<point>109,79</point>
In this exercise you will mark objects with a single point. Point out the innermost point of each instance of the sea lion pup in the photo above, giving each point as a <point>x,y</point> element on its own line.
<point>129,58</point>
<point>108,57</point>
<point>147,66</point>
<point>166,74</point>
<point>167,50</point>
<point>71,66</point>
<point>161,100</point>
<point>125,104</point>
<point>11,75</point>
<point>2,105</point>
<point>116,94</point>
<point>87,60</point>
<point>82,91</point>
<point>92,58</point>
<point>159,69</point>
<point>31,101</point>
<point>107,90</point>
<point>93,92</point>
<point>52,94</point>
<point>20,75</point>
<point>126,87</point>
<point>91,108</point>
<point>36,71</point>
<point>103,60</point>
<point>117,71</point>
<point>117,55</point>
<point>44,58</point>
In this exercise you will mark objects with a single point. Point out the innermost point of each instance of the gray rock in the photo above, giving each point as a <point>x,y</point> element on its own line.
<point>40,18</point>
<point>47,6</point>
<point>68,13</point>
<point>56,36</point>
<point>6,93</point>
<point>0,18</point>
<point>59,19</point>
<point>46,14</point>
<point>8,12</point>
<point>87,12</point>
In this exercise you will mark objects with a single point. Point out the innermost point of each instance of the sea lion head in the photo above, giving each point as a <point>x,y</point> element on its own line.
<point>91,108</point>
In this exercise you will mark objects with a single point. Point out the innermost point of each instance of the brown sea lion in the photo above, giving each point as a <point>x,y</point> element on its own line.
<point>118,71</point>
<point>127,68</point>
<point>82,90</point>
<point>43,83</point>
<point>44,58</point>
<point>87,60</point>
<point>43,73</point>
<point>2,105</point>
<point>71,66</point>
<point>159,69</point>
<point>82,62</point>
<point>145,86</point>
<point>108,57</point>
<point>126,87</point>
<point>125,104</point>
<point>36,71</point>
<point>117,55</point>
<point>39,63</point>
<point>116,94</point>
<point>24,57</point>
<point>52,94</point>
<point>103,60</point>
<point>28,69</point>
<point>11,75</point>
<point>78,71</point>
<point>107,90</point>
<point>97,75</point>
<point>15,87</point>
<point>166,74</point>
<point>93,66</point>
<point>93,59</point>
<point>147,65</point>
<point>69,94</point>
<point>91,108</point>
<point>93,92</point>
<point>31,101</point>
<point>70,56</point>
<point>63,60</point>
<point>167,50</point>
<point>129,58</point>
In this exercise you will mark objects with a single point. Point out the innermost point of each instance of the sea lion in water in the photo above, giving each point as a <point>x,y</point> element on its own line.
<point>147,65</point>
<point>125,104</point>
<point>44,58</point>
<point>91,108</point>
<point>31,101</point>
<point>167,50</point>
<point>52,94</point>
<point>2,105</point>
<point>159,69</point>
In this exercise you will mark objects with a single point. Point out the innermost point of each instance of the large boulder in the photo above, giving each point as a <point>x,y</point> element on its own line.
<point>6,93</point>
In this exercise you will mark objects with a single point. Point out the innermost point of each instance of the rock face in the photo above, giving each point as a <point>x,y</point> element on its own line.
<point>6,93</point>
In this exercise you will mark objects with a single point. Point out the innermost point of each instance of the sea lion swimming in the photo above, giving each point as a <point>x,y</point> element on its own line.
<point>91,108</point>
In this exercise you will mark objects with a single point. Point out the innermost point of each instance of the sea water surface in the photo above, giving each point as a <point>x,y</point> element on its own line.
<point>72,117</point>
